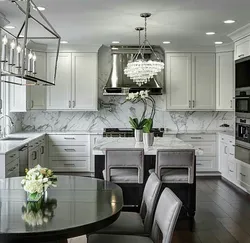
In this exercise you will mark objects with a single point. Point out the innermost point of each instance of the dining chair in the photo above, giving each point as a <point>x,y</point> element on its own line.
<point>166,215</point>
<point>125,167</point>
<point>132,223</point>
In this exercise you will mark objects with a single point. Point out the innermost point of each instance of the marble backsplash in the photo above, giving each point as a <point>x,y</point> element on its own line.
<point>112,113</point>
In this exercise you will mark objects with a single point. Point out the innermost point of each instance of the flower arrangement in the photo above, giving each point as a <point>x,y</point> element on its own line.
<point>37,181</point>
<point>38,213</point>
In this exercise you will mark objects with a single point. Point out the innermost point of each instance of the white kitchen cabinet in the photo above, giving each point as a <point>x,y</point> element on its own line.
<point>33,157</point>
<point>190,81</point>
<point>76,82</point>
<point>243,175</point>
<point>178,74</point>
<point>59,96</point>
<point>223,157</point>
<point>203,81</point>
<point>224,81</point>
<point>242,48</point>
<point>84,81</point>
<point>24,98</point>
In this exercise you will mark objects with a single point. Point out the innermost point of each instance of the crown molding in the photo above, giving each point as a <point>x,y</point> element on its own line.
<point>170,48</point>
<point>75,48</point>
<point>225,47</point>
<point>240,33</point>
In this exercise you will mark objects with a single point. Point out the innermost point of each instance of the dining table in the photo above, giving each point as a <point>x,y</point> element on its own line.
<point>76,206</point>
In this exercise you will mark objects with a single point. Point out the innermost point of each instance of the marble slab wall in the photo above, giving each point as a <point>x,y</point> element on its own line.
<point>113,113</point>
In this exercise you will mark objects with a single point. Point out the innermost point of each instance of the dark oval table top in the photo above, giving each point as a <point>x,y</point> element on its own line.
<point>77,206</point>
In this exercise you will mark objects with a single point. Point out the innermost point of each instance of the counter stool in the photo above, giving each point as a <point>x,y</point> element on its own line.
<point>166,215</point>
<point>132,223</point>
<point>177,166</point>
<point>126,168</point>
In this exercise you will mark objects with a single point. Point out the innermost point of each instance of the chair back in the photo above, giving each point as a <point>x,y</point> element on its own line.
<point>166,215</point>
<point>124,159</point>
<point>176,159</point>
<point>149,201</point>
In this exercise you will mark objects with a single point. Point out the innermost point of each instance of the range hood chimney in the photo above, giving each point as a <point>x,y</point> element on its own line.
<point>118,83</point>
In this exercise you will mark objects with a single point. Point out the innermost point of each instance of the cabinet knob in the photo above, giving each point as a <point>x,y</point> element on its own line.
<point>69,104</point>
<point>193,103</point>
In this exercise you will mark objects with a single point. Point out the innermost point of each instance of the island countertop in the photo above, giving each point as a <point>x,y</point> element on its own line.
<point>170,142</point>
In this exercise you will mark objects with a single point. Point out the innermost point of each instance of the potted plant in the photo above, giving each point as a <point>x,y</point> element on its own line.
<point>148,135</point>
<point>137,126</point>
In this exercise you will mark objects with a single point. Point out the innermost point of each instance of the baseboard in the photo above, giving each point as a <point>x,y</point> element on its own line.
<point>208,174</point>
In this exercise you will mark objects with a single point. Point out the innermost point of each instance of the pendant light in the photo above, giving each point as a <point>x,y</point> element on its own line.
<point>141,70</point>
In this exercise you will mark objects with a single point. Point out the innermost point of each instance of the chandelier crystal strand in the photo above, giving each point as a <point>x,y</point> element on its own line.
<point>141,70</point>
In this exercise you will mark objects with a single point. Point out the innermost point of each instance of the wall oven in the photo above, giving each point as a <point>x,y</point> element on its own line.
<point>242,144</point>
<point>242,102</point>
<point>242,73</point>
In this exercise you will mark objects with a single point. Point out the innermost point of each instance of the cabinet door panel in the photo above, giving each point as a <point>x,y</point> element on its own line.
<point>178,73</point>
<point>85,81</point>
<point>59,96</point>
<point>242,48</point>
<point>224,81</point>
<point>203,81</point>
<point>38,93</point>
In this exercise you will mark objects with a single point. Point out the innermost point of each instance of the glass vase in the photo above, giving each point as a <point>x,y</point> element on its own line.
<point>34,197</point>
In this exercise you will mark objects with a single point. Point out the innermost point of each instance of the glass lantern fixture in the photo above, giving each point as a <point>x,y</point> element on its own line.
<point>17,60</point>
<point>139,69</point>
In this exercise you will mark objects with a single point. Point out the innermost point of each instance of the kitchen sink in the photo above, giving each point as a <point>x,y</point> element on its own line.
<point>13,139</point>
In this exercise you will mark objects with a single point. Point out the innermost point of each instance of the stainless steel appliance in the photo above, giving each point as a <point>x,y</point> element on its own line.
<point>242,73</point>
<point>128,132</point>
<point>242,102</point>
<point>23,160</point>
<point>242,143</point>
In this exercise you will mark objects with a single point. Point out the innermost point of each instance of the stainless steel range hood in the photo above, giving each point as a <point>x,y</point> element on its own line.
<point>118,83</point>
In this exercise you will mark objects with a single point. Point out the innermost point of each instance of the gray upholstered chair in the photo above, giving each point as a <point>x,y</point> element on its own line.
<point>165,219</point>
<point>124,165</point>
<point>131,223</point>
<point>175,166</point>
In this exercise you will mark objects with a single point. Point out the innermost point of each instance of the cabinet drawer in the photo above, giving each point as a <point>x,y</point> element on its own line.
<point>227,139</point>
<point>69,138</point>
<point>64,149</point>
<point>197,137</point>
<point>65,164</point>
<point>231,170</point>
<point>208,148</point>
<point>12,156</point>
<point>205,164</point>
<point>12,169</point>
<point>242,173</point>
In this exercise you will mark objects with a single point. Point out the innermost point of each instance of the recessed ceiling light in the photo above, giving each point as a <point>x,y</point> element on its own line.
<point>64,42</point>
<point>218,42</point>
<point>229,21</point>
<point>115,42</point>
<point>114,48</point>
<point>210,33</point>
<point>9,27</point>
<point>166,42</point>
<point>40,8</point>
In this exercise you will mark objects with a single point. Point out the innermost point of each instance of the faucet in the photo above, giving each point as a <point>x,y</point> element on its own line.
<point>11,122</point>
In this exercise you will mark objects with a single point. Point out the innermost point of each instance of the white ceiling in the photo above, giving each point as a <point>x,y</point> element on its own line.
<point>183,22</point>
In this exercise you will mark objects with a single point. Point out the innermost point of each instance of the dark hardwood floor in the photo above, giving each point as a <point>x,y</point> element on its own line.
<point>222,215</point>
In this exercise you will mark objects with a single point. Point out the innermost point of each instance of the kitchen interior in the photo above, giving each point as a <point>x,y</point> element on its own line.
<point>65,100</point>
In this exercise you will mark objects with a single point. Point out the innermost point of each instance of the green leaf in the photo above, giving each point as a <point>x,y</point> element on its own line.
<point>133,122</point>
<point>147,128</point>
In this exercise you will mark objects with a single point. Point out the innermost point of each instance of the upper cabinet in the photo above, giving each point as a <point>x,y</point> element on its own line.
<point>76,82</point>
<point>225,81</point>
<point>190,81</point>
<point>24,98</point>
<point>242,48</point>
<point>178,88</point>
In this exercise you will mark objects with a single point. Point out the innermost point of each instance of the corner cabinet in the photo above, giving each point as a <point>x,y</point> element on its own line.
<point>242,48</point>
<point>76,82</point>
<point>225,81</point>
<point>190,81</point>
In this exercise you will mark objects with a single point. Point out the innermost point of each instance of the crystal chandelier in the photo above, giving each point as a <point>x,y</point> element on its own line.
<point>17,59</point>
<point>139,69</point>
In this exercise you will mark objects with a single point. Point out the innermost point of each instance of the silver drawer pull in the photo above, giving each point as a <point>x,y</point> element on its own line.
<point>196,137</point>
<point>231,170</point>
<point>70,150</point>
<point>70,165</point>
<point>241,55</point>
<point>198,163</point>
<point>12,155</point>
<point>242,174</point>
<point>231,154</point>
<point>70,138</point>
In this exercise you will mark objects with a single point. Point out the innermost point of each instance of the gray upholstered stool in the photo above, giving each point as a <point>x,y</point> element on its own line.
<point>166,215</point>
<point>131,223</point>
<point>175,166</point>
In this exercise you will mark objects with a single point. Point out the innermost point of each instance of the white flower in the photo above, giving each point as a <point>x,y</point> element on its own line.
<point>144,94</point>
<point>33,186</point>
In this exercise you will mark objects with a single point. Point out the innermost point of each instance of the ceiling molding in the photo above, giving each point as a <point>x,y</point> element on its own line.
<point>240,33</point>
<point>169,48</point>
<point>75,48</point>
<point>225,47</point>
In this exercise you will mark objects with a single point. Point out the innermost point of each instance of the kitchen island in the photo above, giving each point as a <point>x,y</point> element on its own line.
<point>132,197</point>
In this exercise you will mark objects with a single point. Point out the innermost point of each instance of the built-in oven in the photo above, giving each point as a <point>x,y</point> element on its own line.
<point>242,73</point>
<point>242,143</point>
<point>242,103</point>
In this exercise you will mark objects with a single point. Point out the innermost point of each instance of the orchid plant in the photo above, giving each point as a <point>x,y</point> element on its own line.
<point>37,181</point>
<point>142,96</point>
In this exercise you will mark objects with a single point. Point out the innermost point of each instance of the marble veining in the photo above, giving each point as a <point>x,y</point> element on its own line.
<point>117,115</point>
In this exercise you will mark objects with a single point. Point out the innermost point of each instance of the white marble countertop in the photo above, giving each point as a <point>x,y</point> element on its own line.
<point>228,133</point>
<point>159,143</point>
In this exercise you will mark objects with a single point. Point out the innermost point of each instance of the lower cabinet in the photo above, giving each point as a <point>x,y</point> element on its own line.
<point>204,164</point>
<point>10,164</point>
<point>243,175</point>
